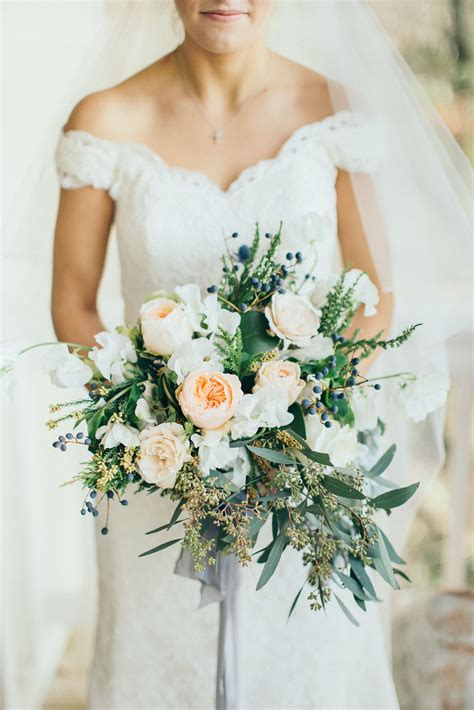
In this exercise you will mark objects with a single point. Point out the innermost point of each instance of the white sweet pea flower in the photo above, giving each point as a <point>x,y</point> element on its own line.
<point>365,291</point>
<point>319,293</point>
<point>268,407</point>
<point>216,453</point>
<point>318,348</point>
<point>423,395</point>
<point>143,412</point>
<point>111,357</point>
<point>197,354</point>
<point>206,315</point>
<point>64,368</point>
<point>114,433</point>
<point>339,443</point>
<point>363,404</point>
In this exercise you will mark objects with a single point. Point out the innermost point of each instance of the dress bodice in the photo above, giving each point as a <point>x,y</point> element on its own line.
<point>170,221</point>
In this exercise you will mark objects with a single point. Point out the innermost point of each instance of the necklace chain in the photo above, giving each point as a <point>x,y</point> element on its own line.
<point>217,132</point>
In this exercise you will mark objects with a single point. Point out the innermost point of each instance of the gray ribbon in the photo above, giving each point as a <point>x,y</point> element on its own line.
<point>221,583</point>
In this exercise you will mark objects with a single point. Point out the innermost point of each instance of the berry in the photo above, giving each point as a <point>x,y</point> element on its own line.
<point>319,375</point>
<point>104,531</point>
<point>87,441</point>
<point>333,409</point>
<point>124,501</point>
<point>351,381</point>
<point>63,447</point>
<point>83,511</point>
<point>341,395</point>
<point>324,417</point>
<point>328,424</point>
<point>89,505</point>
<point>254,281</point>
<point>377,386</point>
<point>319,404</point>
<point>307,276</point>
<point>306,403</point>
<point>289,256</point>
<point>312,410</point>
<point>354,371</point>
<point>95,513</point>
<point>284,270</point>
<point>110,494</point>
<point>243,307</point>
<point>268,235</point>
<point>94,385</point>
<point>130,476</point>
<point>281,290</point>
<point>80,435</point>
<point>317,389</point>
<point>341,339</point>
<point>236,267</point>
<point>235,235</point>
<point>266,288</point>
<point>244,252</point>
<point>355,361</point>
<point>56,444</point>
<point>325,371</point>
<point>299,256</point>
<point>69,435</point>
<point>61,439</point>
<point>93,494</point>
<point>212,289</point>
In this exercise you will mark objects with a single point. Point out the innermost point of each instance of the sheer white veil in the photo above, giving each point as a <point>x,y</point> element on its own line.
<point>415,207</point>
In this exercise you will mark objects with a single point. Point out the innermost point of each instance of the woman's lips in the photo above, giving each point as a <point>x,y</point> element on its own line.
<point>224,16</point>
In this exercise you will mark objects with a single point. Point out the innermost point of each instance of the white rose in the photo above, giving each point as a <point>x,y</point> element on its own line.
<point>164,450</point>
<point>165,326</point>
<point>363,405</point>
<point>64,368</point>
<point>339,443</point>
<point>197,354</point>
<point>268,407</point>
<point>318,348</point>
<point>423,395</point>
<point>286,375</point>
<point>111,357</point>
<point>292,318</point>
<point>114,433</point>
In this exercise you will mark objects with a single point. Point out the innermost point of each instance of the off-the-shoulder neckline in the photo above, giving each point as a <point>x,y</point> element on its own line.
<point>246,174</point>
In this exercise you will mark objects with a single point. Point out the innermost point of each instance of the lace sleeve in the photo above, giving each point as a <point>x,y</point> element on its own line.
<point>354,142</point>
<point>84,160</point>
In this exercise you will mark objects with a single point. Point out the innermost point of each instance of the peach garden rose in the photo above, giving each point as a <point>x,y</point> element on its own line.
<point>164,450</point>
<point>292,318</point>
<point>286,375</point>
<point>209,398</point>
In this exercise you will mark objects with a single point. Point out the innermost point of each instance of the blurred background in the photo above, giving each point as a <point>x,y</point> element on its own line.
<point>433,620</point>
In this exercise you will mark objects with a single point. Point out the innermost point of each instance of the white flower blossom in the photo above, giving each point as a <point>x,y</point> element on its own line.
<point>365,291</point>
<point>423,395</point>
<point>206,315</point>
<point>363,401</point>
<point>318,348</point>
<point>111,357</point>
<point>114,433</point>
<point>268,407</point>
<point>338,442</point>
<point>197,354</point>
<point>64,368</point>
<point>216,453</point>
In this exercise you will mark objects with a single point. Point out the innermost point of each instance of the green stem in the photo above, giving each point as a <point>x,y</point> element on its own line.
<point>55,342</point>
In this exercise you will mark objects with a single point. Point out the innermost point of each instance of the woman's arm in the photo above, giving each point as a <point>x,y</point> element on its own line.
<point>83,224</point>
<point>355,252</point>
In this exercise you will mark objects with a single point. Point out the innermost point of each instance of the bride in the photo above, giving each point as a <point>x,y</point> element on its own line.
<point>214,136</point>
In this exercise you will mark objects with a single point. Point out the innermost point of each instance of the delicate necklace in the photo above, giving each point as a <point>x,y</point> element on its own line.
<point>217,133</point>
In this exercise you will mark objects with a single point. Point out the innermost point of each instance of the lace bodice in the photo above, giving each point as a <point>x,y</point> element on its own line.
<point>170,220</point>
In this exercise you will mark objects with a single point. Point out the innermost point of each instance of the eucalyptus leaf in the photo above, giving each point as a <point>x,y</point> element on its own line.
<point>271,455</point>
<point>273,559</point>
<point>163,546</point>
<point>384,462</point>
<point>394,556</point>
<point>392,499</point>
<point>339,488</point>
<point>402,574</point>
<point>295,601</point>
<point>298,423</point>
<point>353,586</point>
<point>358,570</point>
<point>176,514</point>
<point>383,564</point>
<point>346,611</point>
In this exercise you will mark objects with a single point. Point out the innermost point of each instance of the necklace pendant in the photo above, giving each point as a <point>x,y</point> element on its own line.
<point>217,136</point>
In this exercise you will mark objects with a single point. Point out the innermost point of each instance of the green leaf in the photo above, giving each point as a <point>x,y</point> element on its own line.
<point>392,499</point>
<point>133,397</point>
<point>402,574</point>
<point>384,462</point>
<point>391,551</point>
<point>243,442</point>
<point>313,455</point>
<point>298,424</point>
<point>346,611</point>
<point>256,525</point>
<point>161,547</point>
<point>358,569</point>
<point>254,326</point>
<point>339,488</point>
<point>353,586</point>
<point>295,601</point>
<point>176,514</point>
<point>275,496</point>
<point>360,603</point>
<point>383,564</point>
<point>271,455</point>
<point>314,509</point>
<point>166,526</point>
<point>273,559</point>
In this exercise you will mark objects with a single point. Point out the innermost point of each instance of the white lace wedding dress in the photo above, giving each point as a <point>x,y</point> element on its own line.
<point>155,648</point>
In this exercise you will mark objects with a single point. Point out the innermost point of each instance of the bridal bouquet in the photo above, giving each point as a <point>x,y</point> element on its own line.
<point>245,405</point>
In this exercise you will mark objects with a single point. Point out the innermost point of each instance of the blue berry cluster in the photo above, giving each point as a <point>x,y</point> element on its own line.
<point>70,438</point>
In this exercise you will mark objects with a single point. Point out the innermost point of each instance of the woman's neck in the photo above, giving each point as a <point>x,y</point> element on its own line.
<point>222,82</point>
